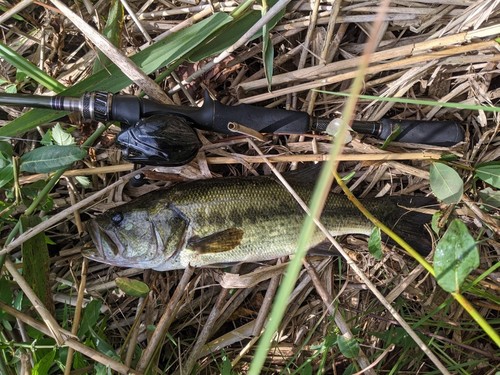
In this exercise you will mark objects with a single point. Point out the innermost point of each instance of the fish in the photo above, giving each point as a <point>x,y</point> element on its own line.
<point>221,221</point>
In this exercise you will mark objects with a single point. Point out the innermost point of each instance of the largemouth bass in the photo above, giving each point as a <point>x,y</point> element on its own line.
<point>237,219</point>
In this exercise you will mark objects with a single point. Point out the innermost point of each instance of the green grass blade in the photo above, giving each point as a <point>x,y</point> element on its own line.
<point>267,49</point>
<point>112,31</point>
<point>36,262</point>
<point>244,19</point>
<point>112,79</point>
<point>433,103</point>
<point>16,60</point>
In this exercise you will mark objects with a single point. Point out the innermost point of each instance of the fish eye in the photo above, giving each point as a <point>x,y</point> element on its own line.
<point>117,218</point>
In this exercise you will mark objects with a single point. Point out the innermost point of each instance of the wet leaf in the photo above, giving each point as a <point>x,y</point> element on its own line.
<point>348,347</point>
<point>446,183</point>
<point>455,257</point>
<point>50,158</point>
<point>131,287</point>
<point>489,173</point>
<point>375,244</point>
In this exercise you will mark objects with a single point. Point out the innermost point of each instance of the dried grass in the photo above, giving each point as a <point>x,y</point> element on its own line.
<point>440,49</point>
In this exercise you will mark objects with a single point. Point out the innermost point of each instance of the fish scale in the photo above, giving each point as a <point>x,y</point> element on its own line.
<point>238,219</point>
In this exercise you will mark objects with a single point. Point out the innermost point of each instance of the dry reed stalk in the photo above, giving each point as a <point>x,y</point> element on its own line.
<point>313,158</point>
<point>410,61</point>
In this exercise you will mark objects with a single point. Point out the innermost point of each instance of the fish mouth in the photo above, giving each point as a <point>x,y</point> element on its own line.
<point>106,243</point>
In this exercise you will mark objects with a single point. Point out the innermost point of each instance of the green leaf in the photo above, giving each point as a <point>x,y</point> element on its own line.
<point>79,361</point>
<point>112,31</point>
<point>232,32</point>
<point>166,52</point>
<point>132,287</point>
<point>446,183</point>
<point>13,58</point>
<point>489,173</point>
<point>50,158</point>
<point>490,197</point>
<point>10,89</point>
<point>5,160</point>
<point>90,317</point>
<point>84,181</point>
<point>21,76</point>
<point>43,366</point>
<point>226,368</point>
<point>348,347</point>
<point>101,369</point>
<point>436,217</point>
<point>103,346</point>
<point>267,49</point>
<point>36,261</point>
<point>5,295</point>
<point>348,177</point>
<point>61,137</point>
<point>6,175</point>
<point>375,244</point>
<point>47,139</point>
<point>225,37</point>
<point>5,290</point>
<point>350,370</point>
<point>6,149</point>
<point>448,157</point>
<point>394,134</point>
<point>455,257</point>
<point>48,240</point>
<point>397,336</point>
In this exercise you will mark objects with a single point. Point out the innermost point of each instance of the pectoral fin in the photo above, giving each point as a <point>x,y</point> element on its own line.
<point>218,242</point>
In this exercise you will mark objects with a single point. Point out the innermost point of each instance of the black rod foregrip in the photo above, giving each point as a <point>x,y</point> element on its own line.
<point>437,133</point>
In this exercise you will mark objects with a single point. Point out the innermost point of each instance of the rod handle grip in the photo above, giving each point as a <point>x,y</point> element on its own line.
<point>437,133</point>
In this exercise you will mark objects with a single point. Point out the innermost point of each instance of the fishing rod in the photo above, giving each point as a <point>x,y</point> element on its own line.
<point>160,134</point>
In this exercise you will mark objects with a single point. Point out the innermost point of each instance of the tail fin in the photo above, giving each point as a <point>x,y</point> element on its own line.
<point>410,224</point>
